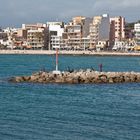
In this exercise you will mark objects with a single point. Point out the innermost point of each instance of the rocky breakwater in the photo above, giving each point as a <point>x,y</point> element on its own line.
<point>81,76</point>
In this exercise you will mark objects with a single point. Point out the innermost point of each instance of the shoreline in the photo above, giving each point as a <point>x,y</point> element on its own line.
<point>63,52</point>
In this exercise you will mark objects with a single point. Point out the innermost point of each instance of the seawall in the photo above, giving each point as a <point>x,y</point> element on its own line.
<point>79,77</point>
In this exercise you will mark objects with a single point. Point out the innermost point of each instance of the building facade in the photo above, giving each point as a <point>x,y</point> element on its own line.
<point>137,33</point>
<point>117,29</point>
<point>72,36</point>
<point>56,30</point>
<point>99,30</point>
<point>37,35</point>
<point>78,20</point>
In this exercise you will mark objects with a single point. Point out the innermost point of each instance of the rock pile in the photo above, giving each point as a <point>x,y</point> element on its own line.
<point>81,76</point>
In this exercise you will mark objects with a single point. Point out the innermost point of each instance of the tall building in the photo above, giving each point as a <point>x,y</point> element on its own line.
<point>137,33</point>
<point>99,30</point>
<point>86,27</point>
<point>72,36</point>
<point>56,29</point>
<point>85,41</point>
<point>104,28</point>
<point>36,35</point>
<point>117,29</point>
<point>74,31</point>
<point>94,30</point>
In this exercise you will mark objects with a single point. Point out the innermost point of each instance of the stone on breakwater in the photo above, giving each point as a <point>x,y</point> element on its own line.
<point>81,76</point>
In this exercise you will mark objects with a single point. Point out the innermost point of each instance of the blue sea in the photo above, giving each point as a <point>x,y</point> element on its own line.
<point>64,111</point>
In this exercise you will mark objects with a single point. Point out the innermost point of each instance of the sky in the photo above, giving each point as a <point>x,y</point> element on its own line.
<point>15,12</point>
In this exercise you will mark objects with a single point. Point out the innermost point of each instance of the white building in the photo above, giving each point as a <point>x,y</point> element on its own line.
<point>137,33</point>
<point>56,30</point>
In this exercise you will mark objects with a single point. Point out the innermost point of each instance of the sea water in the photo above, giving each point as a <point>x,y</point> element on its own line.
<point>64,111</point>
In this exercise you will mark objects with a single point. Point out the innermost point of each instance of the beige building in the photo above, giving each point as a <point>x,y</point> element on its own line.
<point>72,36</point>
<point>76,34</point>
<point>36,35</point>
<point>22,33</point>
<point>78,20</point>
<point>99,30</point>
<point>94,30</point>
<point>84,33</point>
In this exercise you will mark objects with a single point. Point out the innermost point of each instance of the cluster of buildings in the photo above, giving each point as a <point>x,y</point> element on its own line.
<point>81,33</point>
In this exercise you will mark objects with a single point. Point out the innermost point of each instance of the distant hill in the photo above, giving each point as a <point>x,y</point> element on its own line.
<point>131,25</point>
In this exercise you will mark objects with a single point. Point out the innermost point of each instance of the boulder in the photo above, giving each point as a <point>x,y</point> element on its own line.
<point>26,78</point>
<point>110,80</point>
<point>69,80</point>
<point>19,79</point>
<point>138,78</point>
<point>102,78</point>
<point>34,78</point>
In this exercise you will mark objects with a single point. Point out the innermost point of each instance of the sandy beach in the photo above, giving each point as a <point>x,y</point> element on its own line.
<point>51,52</point>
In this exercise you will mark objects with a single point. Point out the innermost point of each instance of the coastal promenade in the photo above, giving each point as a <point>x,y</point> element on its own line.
<point>64,52</point>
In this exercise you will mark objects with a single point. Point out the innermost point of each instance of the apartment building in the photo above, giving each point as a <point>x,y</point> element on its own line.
<point>137,33</point>
<point>84,33</point>
<point>99,30</point>
<point>94,29</point>
<point>76,33</point>
<point>117,29</point>
<point>86,27</point>
<point>72,36</point>
<point>37,35</point>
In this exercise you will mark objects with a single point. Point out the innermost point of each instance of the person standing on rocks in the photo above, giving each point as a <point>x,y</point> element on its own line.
<point>100,67</point>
